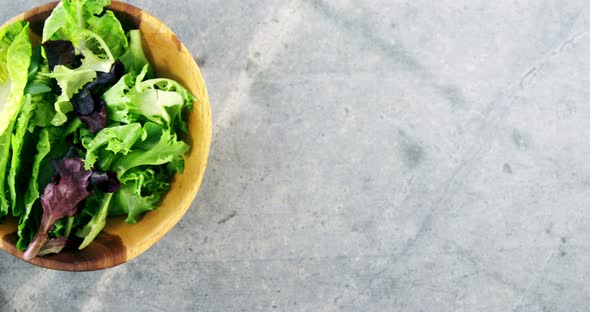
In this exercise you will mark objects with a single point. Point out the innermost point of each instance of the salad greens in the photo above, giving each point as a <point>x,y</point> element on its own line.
<point>86,130</point>
<point>15,58</point>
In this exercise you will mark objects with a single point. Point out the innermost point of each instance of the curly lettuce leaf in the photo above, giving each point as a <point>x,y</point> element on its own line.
<point>161,146</point>
<point>117,101</point>
<point>160,101</point>
<point>117,140</point>
<point>70,82</point>
<point>71,13</point>
<point>87,25</point>
<point>73,80</point>
<point>140,192</point>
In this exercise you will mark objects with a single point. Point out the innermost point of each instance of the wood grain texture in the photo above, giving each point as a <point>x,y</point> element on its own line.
<point>121,242</point>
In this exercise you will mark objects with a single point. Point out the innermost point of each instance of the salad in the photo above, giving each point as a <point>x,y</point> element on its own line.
<point>86,129</point>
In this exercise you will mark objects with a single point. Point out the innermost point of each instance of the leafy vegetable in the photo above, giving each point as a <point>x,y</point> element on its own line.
<point>50,146</point>
<point>97,119</point>
<point>20,140</point>
<point>59,52</point>
<point>118,140</point>
<point>60,200</point>
<point>84,121</point>
<point>71,81</point>
<point>140,192</point>
<point>117,101</point>
<point>134,59</point>
<point>40,88</point>
<point>97,223</point>
<point>32,194</point>
<point>8,35</point>
<point>87,26</point>
<point>17,56</point>
<point>87,101</point>
<point>105,181</point>
<point>160,100</point>
<point>167,149</point>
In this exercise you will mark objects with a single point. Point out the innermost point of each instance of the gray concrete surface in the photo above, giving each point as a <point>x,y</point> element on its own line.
<point>375,155</point>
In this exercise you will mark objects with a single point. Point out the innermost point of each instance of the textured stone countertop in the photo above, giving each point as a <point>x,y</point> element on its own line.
<point>369,155</point>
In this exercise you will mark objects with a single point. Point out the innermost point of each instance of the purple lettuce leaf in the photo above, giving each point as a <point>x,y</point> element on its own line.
<point>106,181</point>
<point>59,52</point>
<point>60,200</point>
<point>97,120</point>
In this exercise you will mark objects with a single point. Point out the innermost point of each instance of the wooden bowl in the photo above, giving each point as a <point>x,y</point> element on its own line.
<point>120,242</point>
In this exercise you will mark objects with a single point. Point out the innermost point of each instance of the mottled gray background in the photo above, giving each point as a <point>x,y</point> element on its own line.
<point>369,155</point>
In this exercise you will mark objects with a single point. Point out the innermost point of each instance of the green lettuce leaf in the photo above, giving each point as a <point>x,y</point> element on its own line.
<point>88,26</point>
<point>5,141</point>
<point>117,140</point>
<point>37,111</point>
<point>160,101</point>
<point>62,227</point>
<point>116,100</point>
<point>22,146</point>
<point>38,82</point>
<point>7,35</point>
<point>44,112</point>
<point>110,30</point>
<point>25,229</point>
<point>134,59</point>
<point>70,82</point>
<point>161,146</point>
<point>141,191</point>
<point>39,86</point>
<point>24,141</point>
<point>98,221</point>
<point>18,59</point>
